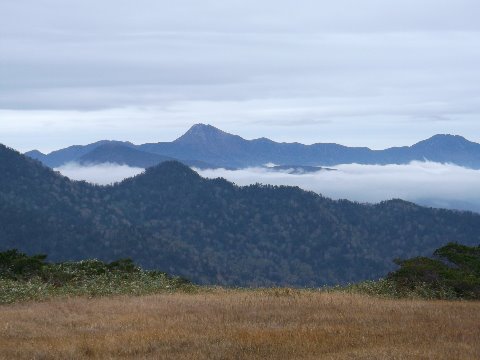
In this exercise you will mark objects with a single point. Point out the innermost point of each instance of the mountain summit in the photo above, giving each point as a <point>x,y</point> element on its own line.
<point>446,148</point>
<point>204,134</point>
<point>446,141</point>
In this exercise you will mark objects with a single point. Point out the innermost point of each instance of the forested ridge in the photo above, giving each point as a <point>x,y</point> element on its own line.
<point>211,231</point>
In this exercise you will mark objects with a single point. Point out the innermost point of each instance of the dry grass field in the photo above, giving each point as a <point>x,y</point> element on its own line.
<point>221,324</point>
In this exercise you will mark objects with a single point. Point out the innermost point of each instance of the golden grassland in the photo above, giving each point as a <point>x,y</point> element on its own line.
<point>240,324</point>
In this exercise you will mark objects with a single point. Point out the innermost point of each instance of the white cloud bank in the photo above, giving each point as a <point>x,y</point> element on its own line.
<point>433,184</point>
<point>103,174</point>
<point>439,185</point>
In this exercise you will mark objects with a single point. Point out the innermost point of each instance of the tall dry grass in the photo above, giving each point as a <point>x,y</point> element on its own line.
<point>220,324</point>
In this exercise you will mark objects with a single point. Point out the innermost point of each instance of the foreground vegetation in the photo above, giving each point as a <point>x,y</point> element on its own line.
<point>24,277</point>
<point>239,324</point>
<point>452,273</point>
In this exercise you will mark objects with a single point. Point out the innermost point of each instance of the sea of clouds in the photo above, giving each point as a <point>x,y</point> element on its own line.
<point>426,183</point>
<point>102,174</point>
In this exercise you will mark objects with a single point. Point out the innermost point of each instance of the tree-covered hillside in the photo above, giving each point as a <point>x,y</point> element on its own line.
<point>212,231</point>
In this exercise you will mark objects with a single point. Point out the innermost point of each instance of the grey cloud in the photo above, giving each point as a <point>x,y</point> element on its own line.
<point>336,69</point>
<point>239,15</point>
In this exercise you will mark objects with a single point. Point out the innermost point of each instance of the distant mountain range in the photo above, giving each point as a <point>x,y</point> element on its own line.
<point>105,151</point>
<point>214,232</point>
<point>206,146</point>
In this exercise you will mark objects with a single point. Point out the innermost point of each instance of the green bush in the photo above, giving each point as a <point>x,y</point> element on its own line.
<point>24,277</point>
<point>16,265</point>
<point>453,269</point>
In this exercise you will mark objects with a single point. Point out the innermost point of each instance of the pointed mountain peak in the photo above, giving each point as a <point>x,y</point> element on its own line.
<point>447,137</point>
<point>444,140</point>
<point>204,133</point>
<point>204,128</point>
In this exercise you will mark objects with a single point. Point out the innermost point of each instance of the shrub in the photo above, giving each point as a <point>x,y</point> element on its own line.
<point>453,269</point>
<point>16,265</point>
<point>24,277</point>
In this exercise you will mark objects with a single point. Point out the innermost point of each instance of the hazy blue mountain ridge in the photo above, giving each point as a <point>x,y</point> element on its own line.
<point>72,153</point>
<point>217,148</point>
<point>122,155</point>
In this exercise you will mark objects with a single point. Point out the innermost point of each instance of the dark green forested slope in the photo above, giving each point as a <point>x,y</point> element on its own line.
<point>212,231</point>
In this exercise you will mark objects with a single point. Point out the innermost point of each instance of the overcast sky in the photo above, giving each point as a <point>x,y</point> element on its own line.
<point>357,72</point>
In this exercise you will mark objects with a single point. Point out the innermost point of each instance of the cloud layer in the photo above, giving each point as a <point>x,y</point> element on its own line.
<point>422,182</point>
<point>357,73</point>
<point>102,174</point>
<point>431,184</point>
